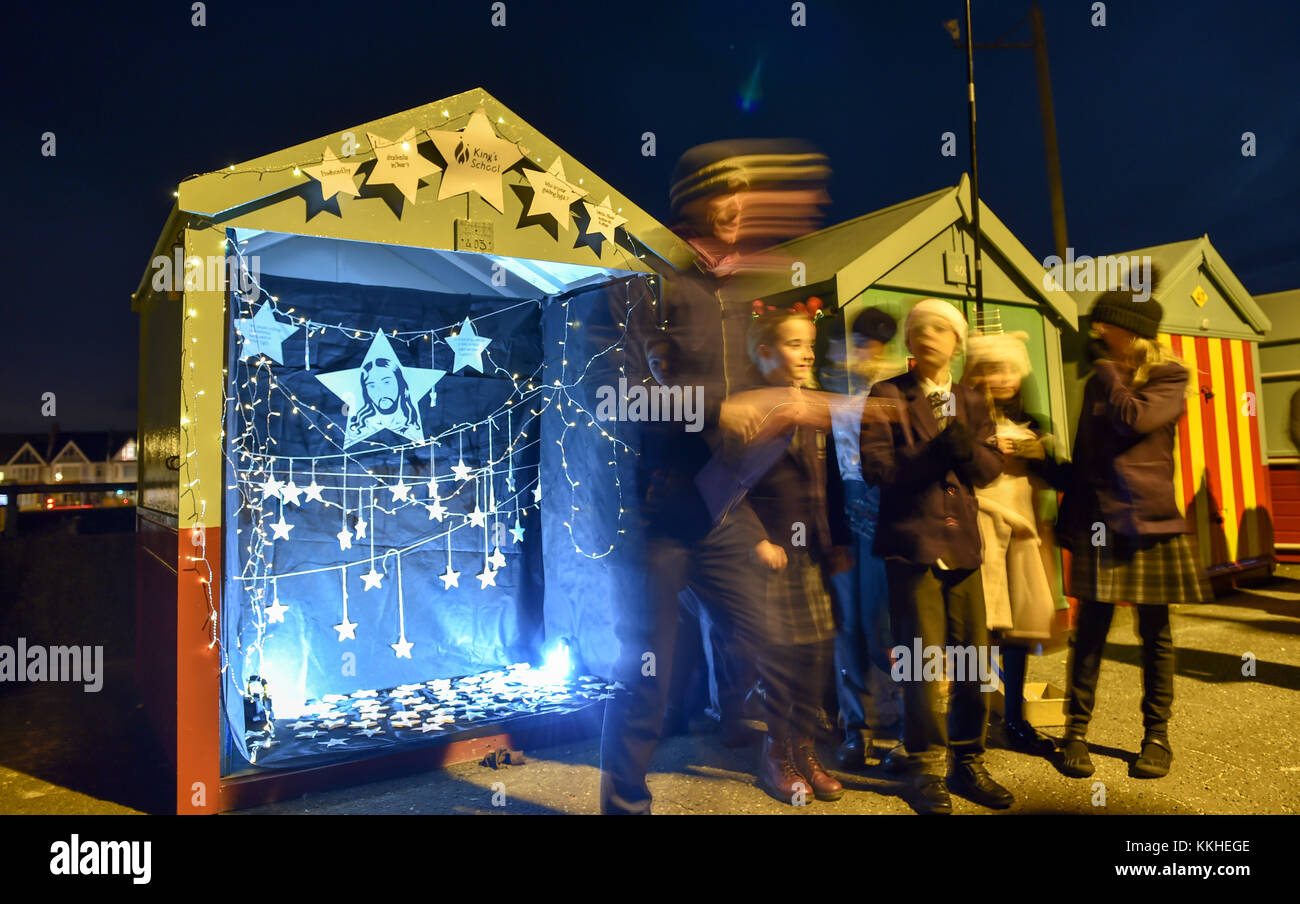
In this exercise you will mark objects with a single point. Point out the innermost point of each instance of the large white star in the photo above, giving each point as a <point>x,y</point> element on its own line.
<point>382,394</point>
<point>468,346</point>
<point>280,529</point>
<point>334,175</point>
<point>291,492</point>
<point>262,334</point>
<point>372,578</point>
<point>604,219</point>
<point>477,159</point>
<point>450,578</point>
<point>552,193</point>
<point>399,163</point>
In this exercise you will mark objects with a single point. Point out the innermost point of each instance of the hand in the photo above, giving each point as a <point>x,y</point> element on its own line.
<point>958,440</point>
<point>1006,445</point>
<point>1096,350</point>
<point>839,561</point>
<point>740,419</point>
<point>1028,448</point>
<point>771,555</point>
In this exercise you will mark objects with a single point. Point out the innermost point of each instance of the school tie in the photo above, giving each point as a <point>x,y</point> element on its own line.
<point>939,404</point>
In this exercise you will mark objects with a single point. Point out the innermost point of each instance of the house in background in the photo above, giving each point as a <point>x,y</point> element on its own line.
<point>68,458</point>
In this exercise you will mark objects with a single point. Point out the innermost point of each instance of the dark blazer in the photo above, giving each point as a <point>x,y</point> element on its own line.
<point>1123,469</point>
<point>927,500</point>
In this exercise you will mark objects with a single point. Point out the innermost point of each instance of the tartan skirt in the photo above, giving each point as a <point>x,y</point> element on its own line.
<point>797,605</point>
<point>1155,571</point>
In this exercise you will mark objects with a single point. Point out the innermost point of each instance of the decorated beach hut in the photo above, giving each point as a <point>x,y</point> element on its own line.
<point>1279,362</point>
<point>1213,324</point>
<point>376,508</point>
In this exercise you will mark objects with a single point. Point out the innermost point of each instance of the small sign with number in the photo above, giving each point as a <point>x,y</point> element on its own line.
<point>474,235</point>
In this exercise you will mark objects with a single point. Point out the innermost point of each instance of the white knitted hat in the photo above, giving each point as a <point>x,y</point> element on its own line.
<point>941,309</point>
<point>1011,349</point>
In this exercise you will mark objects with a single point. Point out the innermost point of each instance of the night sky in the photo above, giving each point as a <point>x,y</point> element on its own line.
<point>1150,112</point>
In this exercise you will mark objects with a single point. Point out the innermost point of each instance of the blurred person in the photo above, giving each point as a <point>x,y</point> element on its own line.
<point>928,466</point>
<point>1018,553</point>
<point>1121,522</point>
<point>868,699</point>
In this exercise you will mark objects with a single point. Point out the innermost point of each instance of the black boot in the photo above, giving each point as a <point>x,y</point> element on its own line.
<point>852,752</point>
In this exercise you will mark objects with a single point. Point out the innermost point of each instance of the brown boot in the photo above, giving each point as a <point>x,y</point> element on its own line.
<point>778,776</point>
<point>803,752</point>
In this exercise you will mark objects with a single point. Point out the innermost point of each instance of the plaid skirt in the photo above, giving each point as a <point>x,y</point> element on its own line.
<point>1159,570</point>
<point>796,604</point>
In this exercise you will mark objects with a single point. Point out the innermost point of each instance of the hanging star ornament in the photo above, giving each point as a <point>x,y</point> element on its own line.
<point>262,334</point>
<point>382,394</point>
<point>478,517</point>
<point>437,510</point>
<point>291,492</point>
<point>275,612</point>
<point>468,346</point>
<point>462,470</point>
<point>345,539</point>
<point>552,193</point>
<point>517,531</point>
<point>271,488</point>
<point>399,163</point>
<point>347,629</point>
<point>372,578</point>
<point>399,491</point>
<point>402,648</point>
<point>486,578</point>
<point>496,560</point>
<point>360,528</point>
<point>477,159</point>
<point>335,175</point>
<point>603,220</point>
<point>450,578</point>
<point>280,529</point>
<point>313,491</point>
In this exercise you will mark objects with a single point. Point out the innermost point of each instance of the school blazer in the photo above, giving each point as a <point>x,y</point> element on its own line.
<point>927,500</point>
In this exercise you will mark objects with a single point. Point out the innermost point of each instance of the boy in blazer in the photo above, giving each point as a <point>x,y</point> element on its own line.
<point>927,460</point>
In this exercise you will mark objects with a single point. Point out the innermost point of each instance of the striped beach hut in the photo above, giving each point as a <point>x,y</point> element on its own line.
<point>1279,357</point>
<point>1214,325</point>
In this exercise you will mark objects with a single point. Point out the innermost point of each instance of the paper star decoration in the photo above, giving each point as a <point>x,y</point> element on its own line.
<point>437,510</point>
<point>468,346</point>
<point>345,539</point>
<point>360,528</point>
<point>399,491</point>
<point>477,159</point>
<point>517,532</point>
<point>271,488</point>
<point>334,175</point>
<point>604,219</point>
<point>402,648</point>
<point>462,471</point>
<point>399,163</point>
<point>450,578</point>
<point>300,725</point>
<point>275,612</point>
<point>313,491</point>
<point>478,517</point>
<point>496,560</point>
<point>537,492</point>
<point>552,193</point>
<point>382,394</point>
<point>334,742</point>
<point>372,577</point>
<point>347,629</point>
<point>262,334</point>
<point>488,576</point>
<point>280,530</point>
<point>291,492</point>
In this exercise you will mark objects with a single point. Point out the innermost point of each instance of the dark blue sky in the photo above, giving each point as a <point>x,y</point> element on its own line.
<point>1150,112</point>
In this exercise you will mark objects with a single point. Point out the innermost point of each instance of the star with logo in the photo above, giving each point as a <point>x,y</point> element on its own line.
<point>477,159</point>
<point>382,394</point>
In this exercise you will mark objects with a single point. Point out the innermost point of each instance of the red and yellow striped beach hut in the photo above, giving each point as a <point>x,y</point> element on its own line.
<point>1214,325</point>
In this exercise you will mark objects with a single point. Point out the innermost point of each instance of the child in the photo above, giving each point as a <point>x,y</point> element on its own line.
<point>1122,524</point>
<point>1018,595</point>
<point>927,466</point>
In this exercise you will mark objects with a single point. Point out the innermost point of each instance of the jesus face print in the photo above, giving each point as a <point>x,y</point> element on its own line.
<point>384,394</point>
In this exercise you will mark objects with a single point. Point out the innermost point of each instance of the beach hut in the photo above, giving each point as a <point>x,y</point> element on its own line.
<point>1211,321</point>
<point>1279,361</point>
<point>375,507</point>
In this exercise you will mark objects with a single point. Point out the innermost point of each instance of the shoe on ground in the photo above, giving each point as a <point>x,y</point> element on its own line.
<point>930,796</point>
<point>973,782</point>
<point>897,761</point>
<point>1023,737</point>
<point>1075,761</point>
<point>778,776</point>
<point>803,753</point>
<point>1154,760</point>
<point>852,752</point>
